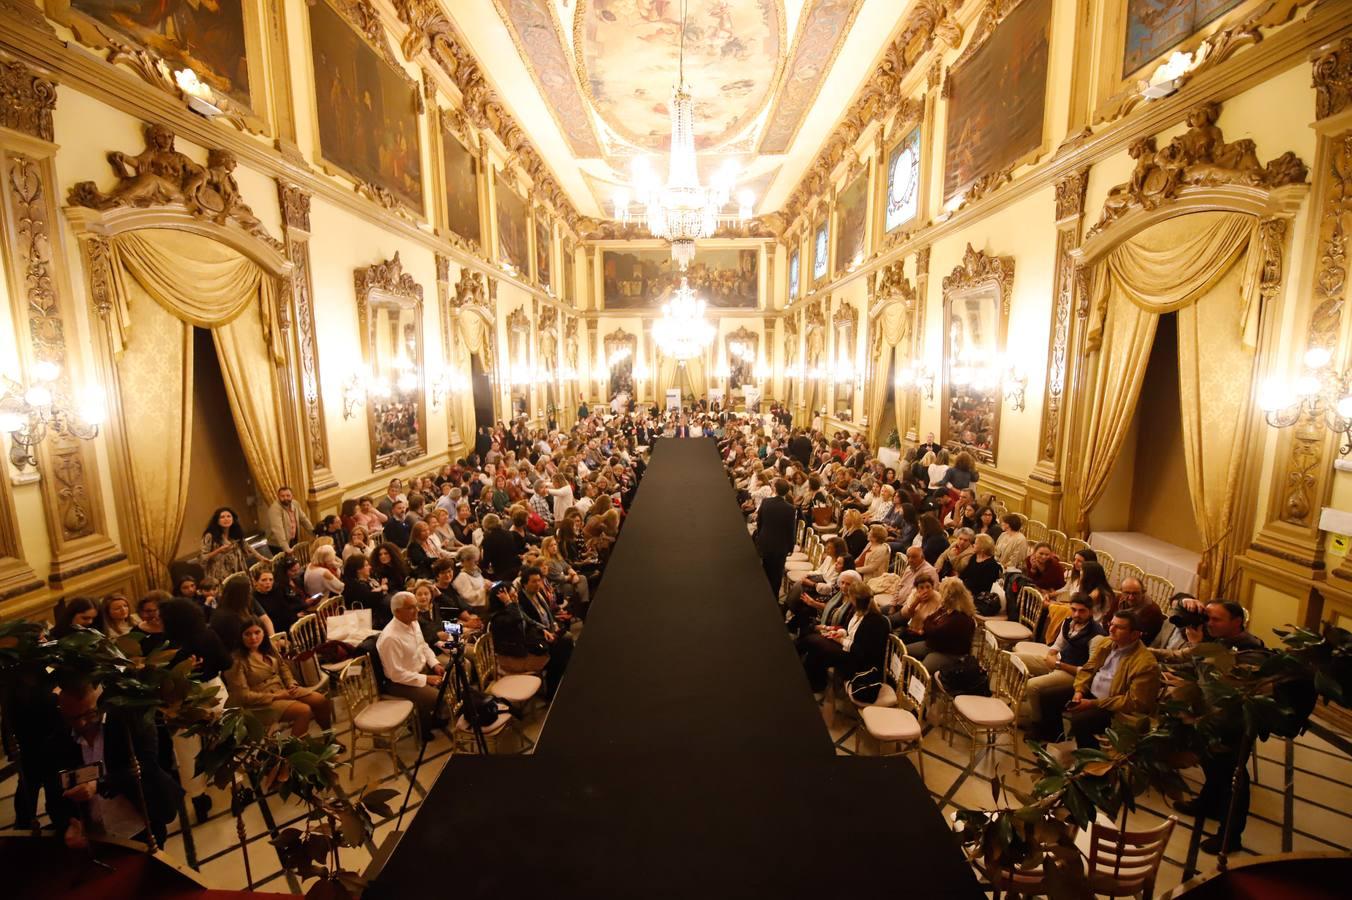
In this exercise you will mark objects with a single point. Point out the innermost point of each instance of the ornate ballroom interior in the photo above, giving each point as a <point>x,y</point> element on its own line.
<point>320,243</point>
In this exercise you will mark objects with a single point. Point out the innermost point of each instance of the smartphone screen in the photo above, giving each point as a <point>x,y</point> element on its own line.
<point>72,777</point>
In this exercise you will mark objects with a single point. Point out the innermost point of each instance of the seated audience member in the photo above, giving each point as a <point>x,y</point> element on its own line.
<point>1131,595</point>
<point>368,515</point>
<point>449,601</point>
<point>807,596</point>
<point>1043,570</point>
<point>422,551</point>
<point>501,553</point>
<point>933,538</point>
<point>331,527</point>
<point>936,467</point>
<point>119,802</point>
<point>261,682</point>
<point>853,532</point>
<point>908,615</point>
<point>518,641</point>
<point>470,584</point>
<point>988,523</point>
<point>237,604</point>
<point>1223,774</point>
<point>962,474</point>
<point>536,607</point>
<point>321,575</point>
<point>277,593</point>
<point>569,586</point>
<point>954,559</point>
<point>388,572</point>
<point>1077,561</point>
<point>149,630</point>
<point>463,525</point>
<point>983,570</point>
<point>361,591</point>
<point>411,668</point>
<point>859,645</point>
<point>914,568</point>
<point>358,541</point>
<point>398,528</point>
<point>874,560</point>
<point>1011,547</point>
<point>1053,673</point>
<point>115,616</point>
<point>72,614</point>
<point>1120,682</point>
<point>947,632</point>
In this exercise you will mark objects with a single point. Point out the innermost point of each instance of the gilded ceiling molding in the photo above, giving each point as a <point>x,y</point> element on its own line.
<point>26,101</point>
<point>1333,80</point>
<point>929,23</point>
<point>830,22</point>
<point>294,202</point>
<point>1198,157</point>
<point>430,30</point>
<point>161,176</point>
<point>1220,47</point>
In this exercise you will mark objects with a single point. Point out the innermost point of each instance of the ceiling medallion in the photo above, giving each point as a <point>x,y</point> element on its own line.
<point>682,210</point>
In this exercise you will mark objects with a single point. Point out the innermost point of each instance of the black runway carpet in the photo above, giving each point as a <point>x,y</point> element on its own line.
<point>683,756</point>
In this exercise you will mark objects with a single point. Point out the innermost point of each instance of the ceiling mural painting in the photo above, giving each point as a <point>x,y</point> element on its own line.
<point>822,29</point>
<point>627,60</point>
<point>536,32</point>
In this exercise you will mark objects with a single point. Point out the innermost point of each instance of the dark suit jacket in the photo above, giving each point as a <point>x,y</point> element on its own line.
<point>121,735</point>
<point>501,556</point>
<point>870,643</point>
<point>774,527</point>
<point>801,448</point>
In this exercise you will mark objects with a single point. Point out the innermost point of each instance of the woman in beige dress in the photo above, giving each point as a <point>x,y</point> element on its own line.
<point>261,682</point>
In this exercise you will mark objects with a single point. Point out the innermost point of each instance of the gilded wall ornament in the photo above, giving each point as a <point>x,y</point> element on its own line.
<point>295,206</point>
<point>894,285</point>
<point>1199,156</point>
<point>1070,192</point>
<point>978,267</point>
<point>295,203</point>
<point>161,176</point>
<point>469,289</point>
<point>1333,80</point>
<point>26,101</point>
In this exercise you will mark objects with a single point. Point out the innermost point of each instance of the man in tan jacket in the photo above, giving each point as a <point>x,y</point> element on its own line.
<point>1120,682</point>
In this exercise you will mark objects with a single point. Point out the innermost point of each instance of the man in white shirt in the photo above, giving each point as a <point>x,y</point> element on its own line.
<point>411,668</point>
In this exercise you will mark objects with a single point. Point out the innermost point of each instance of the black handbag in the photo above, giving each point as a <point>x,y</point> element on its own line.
<point>865,686</point>
<point>479,708</point>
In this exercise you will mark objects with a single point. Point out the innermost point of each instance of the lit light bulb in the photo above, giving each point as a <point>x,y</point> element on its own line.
<point>1273,394</point>
<point>93,409</point>
<point>46,370</point>
<point>1317,357</point>
<point>1344,408</point>
<point>11,421</point>
<point>1306,386</point>
<point>38,395</point>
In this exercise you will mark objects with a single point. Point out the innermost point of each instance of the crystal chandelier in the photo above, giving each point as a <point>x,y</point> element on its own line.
<point>682,210</point>
<point>683,333</point>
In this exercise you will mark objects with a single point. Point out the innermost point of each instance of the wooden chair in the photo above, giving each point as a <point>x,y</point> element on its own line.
<point>300,551</point>
<point>1125,863</point>
<point>306,636</point>
<point>901,723</point>
<point>1127,570</point>
<point>1159,589</point>
<point>1109,564</point>
<point>1034,530</point>
<point>380,718</point>
<point>462,736</point>
<point>989,717</point>
<point>1075,545</point>
<point>1030,610</point>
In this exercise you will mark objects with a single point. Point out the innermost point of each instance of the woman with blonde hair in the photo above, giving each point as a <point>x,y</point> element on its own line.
<point>115,616</point>
<point>873,561</point>
<point>321,575</point>
<point>568,585</point>
<point>853,532</point>
<point>948,632</point>
<point>358,541</point>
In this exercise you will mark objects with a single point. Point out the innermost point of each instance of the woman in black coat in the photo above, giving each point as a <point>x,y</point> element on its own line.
<point>857,647</point>
<point>361,592</point>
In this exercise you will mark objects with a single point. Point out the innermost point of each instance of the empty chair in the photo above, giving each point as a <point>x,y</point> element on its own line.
<point>1075,545</point>
<point>1109,563</point>
<point>1030,610</point>
<point>901,723</point>
<point>1127,570</point>
<point>1125,863</point>
<point>382,719</point>
<point>1060,543</point>
<point>1160,590</point>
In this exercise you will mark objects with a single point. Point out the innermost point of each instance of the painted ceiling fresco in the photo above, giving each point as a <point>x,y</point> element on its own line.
<point>627,52</point>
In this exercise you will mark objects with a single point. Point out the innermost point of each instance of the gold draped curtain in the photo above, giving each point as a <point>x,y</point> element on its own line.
<point>892,328</point>
<point>669,376</point>
<point>1205,267</point>
<point>165,283</point>
<point>475,337</point>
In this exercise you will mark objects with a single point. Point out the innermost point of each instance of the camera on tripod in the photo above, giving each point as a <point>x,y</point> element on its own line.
<point>454,643</point>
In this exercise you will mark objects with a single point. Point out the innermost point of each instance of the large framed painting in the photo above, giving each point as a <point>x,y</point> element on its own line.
<point>461,173</point>
<point>821,252</point>
<point>513,222</point>
<point>851,216</point>
<point>997,98</point>
<point>1154,27</point>
<point>793,274</point>
<point>213,39</point>
<point>724,278</point>
<point>903,182</point>
<point>367,109</point>
<point>543,245</point>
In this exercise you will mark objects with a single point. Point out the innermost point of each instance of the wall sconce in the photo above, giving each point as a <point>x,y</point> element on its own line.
<point>354,394</point>
<point>917,377</point>
<point>1015,383</point>
<point>29,414</point>
<point>1319,393</point>
<point>446,382</point>
<point>761,372</point>
<point>641,372</point>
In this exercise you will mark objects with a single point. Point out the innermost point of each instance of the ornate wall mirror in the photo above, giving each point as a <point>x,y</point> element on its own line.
<point>844,328</point>
<point>743,348</point>
<point>976,318</point>
<point>620,349</point>
<point>390,312</point>
<point>518,350</point>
